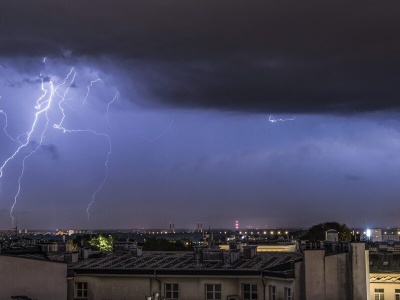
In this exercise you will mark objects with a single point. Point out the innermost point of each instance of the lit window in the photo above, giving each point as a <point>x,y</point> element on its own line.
<point>272,292</point>
<point>250,292</point>
<point>379,294</point>
<point>213,291</point>
<point>171,291</point>
<point>81,290</point>
<point>288,294</point>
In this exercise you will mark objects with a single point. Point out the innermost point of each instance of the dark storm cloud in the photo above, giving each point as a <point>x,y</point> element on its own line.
<point>258,56</point>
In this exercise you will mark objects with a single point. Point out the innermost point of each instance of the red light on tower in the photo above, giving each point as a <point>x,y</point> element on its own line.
<point>236,224</point>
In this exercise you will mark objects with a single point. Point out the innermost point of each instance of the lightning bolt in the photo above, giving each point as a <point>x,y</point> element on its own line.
<point>44,103</point>
<point>6,125</point>
<point>88,90</point>
<point>115,99</point>
<point>105,177</point>
<point>271,119</point>
<point>41,111</point>
<point>65,130</point>
<point>42,106</point>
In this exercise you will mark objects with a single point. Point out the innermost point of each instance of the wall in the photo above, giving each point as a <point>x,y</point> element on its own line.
<point>124,287</point>
<point>300,292</point>
<point>110,287</point>
<point>37,279</point>
<point>337,276</point>
<point>360,271</point>
<point>314,272</point>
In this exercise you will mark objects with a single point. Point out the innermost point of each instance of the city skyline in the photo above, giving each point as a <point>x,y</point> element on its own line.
<point>277,114</point>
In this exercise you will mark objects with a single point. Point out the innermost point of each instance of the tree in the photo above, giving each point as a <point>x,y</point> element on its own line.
<point>318,232</point>
<point>102,243</point>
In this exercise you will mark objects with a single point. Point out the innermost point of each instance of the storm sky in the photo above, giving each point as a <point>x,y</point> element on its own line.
<point>184,90</point>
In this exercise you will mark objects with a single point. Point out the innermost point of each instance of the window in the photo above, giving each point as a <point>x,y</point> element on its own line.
<point>213,291</point>
<point>171,291</point>
<point>379,294</point>
<point>81,290</point>
<point>288,294</point>
<point>272,292</point>
<point>397,294</point>
<point>250,292</point>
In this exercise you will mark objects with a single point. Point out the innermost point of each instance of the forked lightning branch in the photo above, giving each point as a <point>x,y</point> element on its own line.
<point>54,97</point>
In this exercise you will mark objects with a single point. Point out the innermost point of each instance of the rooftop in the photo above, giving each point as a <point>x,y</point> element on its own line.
<point>384,262</point>
<point>181,262</point>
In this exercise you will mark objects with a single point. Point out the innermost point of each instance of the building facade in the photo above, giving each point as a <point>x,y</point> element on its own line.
<point>327,271</point>
<point>324,274</point>
<point>385,271</point>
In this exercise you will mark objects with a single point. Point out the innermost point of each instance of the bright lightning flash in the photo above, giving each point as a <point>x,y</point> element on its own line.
<point>271,119</point>
<point>52,98</point>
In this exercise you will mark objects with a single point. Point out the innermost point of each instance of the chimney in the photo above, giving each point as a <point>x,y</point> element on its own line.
<point>84,253</point>
<point>230,256</point>
<point>250,251</point>
<point>71,257</point>
<point>198,254</point>
<point>215,254</point>
<point>236,245</point>
<point>123,248</point>
<point>136,251</point>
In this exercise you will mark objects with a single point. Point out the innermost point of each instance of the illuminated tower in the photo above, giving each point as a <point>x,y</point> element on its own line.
<point>199,227</point>
<point>236,225</point>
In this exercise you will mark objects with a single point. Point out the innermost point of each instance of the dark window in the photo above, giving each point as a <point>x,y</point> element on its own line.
<point>213,292</point>
<point>81,290</point>
<point>250,292</point>
<point>171,291</point>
